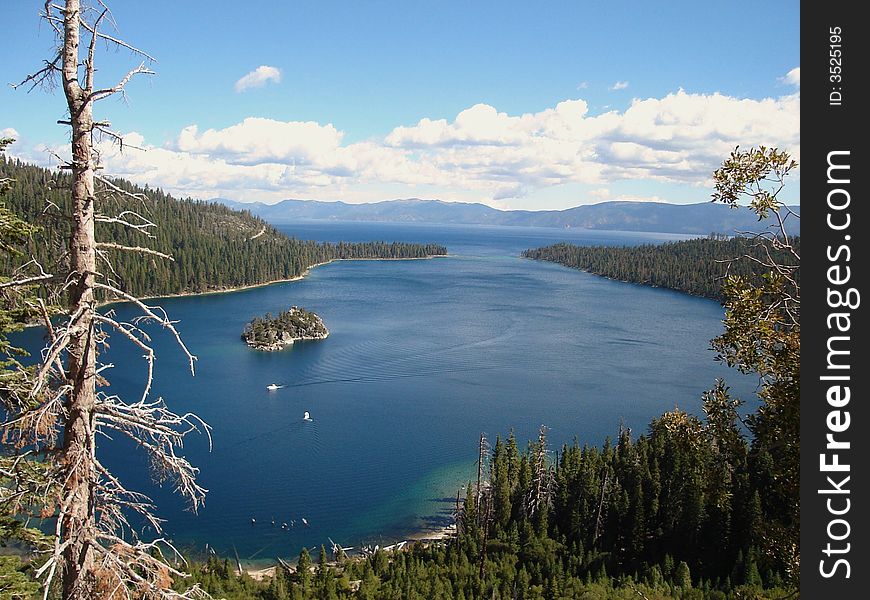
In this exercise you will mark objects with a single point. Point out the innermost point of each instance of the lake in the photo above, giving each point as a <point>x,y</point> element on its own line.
<point>422,357</point>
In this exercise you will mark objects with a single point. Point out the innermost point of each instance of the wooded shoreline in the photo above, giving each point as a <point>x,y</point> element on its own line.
<point>253,285</point>
<point>305,274</point>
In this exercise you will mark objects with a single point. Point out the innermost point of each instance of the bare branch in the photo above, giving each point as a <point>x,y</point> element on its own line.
<point>46,320</point>
<point>26,281</point>
<point>109,11</point>
<point>89,64</point>
<point>142,227</point>
<point>50,18</point>
<point>42,76</point>
<point>117,137</point>
<point>104,256</point>
<point>154,427</point>
<point>150,313</point>
<point>52,336</point>
<point>135,196</point>
<point>129,331</point>
<point>119,87</point>
<point>116,41</point>
<point>140,249</point>
<point>52,353</point>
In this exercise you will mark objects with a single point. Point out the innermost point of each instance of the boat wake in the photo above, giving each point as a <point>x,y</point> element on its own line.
<point>378,361</point>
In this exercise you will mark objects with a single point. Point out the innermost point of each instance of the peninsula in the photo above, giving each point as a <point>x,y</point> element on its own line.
<point>213,248</point>
<point>698,266</point>
<point>270,333</point>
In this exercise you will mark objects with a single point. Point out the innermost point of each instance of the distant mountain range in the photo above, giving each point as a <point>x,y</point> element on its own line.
<point>701,218</point>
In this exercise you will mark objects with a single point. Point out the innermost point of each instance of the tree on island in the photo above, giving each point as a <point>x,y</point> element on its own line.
<point>57,410</point>
<point>275,333</point>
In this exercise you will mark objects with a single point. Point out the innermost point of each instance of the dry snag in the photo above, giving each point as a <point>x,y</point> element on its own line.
<point>57,410</point>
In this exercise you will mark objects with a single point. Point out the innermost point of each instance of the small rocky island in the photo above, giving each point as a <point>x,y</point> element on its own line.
<point>270,333</point>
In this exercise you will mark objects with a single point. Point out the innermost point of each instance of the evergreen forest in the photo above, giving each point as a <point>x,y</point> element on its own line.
<point>698,266</point>
<point>676,512</point>
<point>212,247</point>
<point>273,333</point>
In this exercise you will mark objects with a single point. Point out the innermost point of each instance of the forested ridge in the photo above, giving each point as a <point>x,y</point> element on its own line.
<point>676,512</point>
<point>697,266</point>
<point>213,247</point>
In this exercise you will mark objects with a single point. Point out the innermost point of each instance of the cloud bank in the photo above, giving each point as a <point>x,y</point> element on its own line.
<point>481,154</point>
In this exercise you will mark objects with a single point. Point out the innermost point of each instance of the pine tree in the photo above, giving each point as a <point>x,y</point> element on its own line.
<point>303,570</point>
<point>682,576</point>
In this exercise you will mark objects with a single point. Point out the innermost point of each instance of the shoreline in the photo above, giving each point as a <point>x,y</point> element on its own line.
<point>426,536</point>
<point>304,274</point>
<point>242,288</point>
<point>640,283</point>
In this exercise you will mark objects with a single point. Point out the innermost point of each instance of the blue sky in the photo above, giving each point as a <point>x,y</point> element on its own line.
<point>515,104</point>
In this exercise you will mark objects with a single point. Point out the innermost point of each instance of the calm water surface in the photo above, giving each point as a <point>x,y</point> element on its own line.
<point>422,356</point>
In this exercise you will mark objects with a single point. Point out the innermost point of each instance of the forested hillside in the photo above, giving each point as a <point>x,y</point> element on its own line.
<point>696,266</point>
<point>674,513</point>
<point>212,246</point>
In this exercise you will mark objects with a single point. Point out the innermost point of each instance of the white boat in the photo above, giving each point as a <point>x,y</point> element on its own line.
<point>273,386</point>
<point>306,416</point>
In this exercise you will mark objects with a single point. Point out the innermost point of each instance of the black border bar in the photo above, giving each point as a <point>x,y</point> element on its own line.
<point>834,223</point>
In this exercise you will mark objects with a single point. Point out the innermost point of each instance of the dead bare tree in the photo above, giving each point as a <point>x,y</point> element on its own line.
<point>482,453</point>
<point>543,478</point>
<point>602,504</point>
<point>58,409</point>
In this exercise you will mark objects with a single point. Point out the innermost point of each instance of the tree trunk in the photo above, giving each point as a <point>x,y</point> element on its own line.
<point>78,524</point>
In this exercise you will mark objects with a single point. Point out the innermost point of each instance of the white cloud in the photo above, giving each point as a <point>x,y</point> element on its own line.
<point>258,78</point>
<point>257,140</point>
<point>636,198</point>
<point>482,154</point>
<point>681,137</point>
<point>619,85</point>
<point>604,195</point>
<point>583,85</point>
<point>8,132</point>
<point>793,77</point>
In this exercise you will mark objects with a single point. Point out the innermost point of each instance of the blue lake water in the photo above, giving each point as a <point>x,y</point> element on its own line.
<point>422,356</point>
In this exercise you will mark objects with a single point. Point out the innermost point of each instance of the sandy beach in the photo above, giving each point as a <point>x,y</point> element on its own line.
<point>428,536</point>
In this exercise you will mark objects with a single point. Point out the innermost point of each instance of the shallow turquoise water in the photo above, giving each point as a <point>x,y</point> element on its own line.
<point>422,356</point>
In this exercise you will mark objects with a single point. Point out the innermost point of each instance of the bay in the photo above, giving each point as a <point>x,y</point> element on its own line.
<point>422,356</point>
